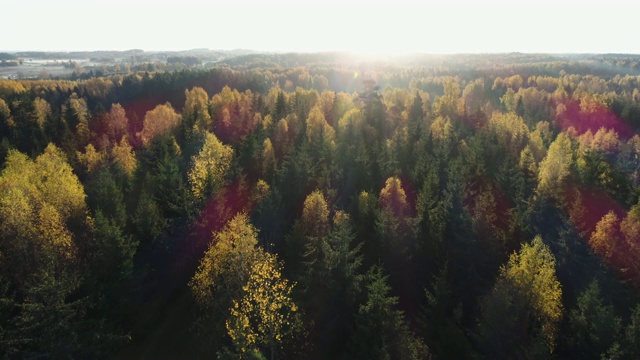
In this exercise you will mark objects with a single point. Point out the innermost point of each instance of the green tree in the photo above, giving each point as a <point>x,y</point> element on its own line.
<point>331,281</point>
<point>80,120</point>
<point>393,223</point>
<point>111,268</point>
<point>595,328</point>
<point>632,335</point>
<point>442,320</point>
<point>106,196</point>
<point>630,227</point>
<point>381,330</point>
<point>148,218</point>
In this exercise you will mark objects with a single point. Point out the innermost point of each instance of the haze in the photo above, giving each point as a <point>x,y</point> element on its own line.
<point>389,28</point>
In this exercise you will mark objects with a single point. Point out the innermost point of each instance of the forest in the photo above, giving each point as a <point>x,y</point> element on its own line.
<point>324,206</point>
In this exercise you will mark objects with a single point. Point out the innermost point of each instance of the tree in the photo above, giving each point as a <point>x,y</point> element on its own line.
<point>319,132</point>
<point>234,114</point>
<point>115,123</point>
<point>381,331</point>
<point>484,219</point>
<point>473,97</point>
<point>268,160</point>
<point>594,326</point>
<point>196,111</point>
<point>309,244</point>
<point>433,214</point>
<point>393,198</point>
<point>447,105</point>
<point>209,167</point>
<point>509,100</point>
<point>315,215</point>
<point>266,316</point>
<point>6,121</point>
<point>281,138</point>
<point>106,197</point>
<point>159,121</point>
<point>521,314</point>
<point>280,107</point>
<point>393,223</point>
<point>416,122</point>
<point>630,228</point>
<point>42,209</point>
<point>42,111</point>
<point>223,273</point>
<point>345,259</point>
<point>164,175</point>
<point>111,265</point>
<point>632,334</point>
<point>442,320</point>
<point>604,240</point>
<point>510,131</point>
<point>122,155</point>
<point>226,265</point>
<point>148,218</point>
<point>80,119</point>
<point>91,159</point>
<point>556,168</point>
<point>330,280</point>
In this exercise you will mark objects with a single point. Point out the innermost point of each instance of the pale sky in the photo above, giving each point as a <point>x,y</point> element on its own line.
<point>381,27</point>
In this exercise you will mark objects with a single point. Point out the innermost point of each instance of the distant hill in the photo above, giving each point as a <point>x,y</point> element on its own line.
<point>6,56</point>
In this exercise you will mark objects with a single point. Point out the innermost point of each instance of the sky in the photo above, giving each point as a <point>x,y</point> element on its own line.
<point>370,27</point>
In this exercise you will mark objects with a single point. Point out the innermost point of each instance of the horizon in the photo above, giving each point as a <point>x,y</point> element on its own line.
<point>345,52</point>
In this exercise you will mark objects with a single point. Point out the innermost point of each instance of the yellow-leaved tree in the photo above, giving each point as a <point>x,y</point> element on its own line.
<point>41,111</point>
<point>42,209</point>
<point>266,315</point>
<point>123,155</point>
<point>38,201</point>
<point>161,120</point>
<point>522,313</point>
<point>604,240</point>
<point>222,273</point>
<point>267,159</point>
<point>393,221</point>
<point>196,110</point>
<point>319,132</point>
<point>238,281</point>
<point>510,131</point>
<point>225,267</point>
<point>555,168</point>
<point>315,215</point>
<point>210,166</point>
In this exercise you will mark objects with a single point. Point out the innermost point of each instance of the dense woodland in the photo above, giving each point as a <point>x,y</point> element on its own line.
<point>314,206</point>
